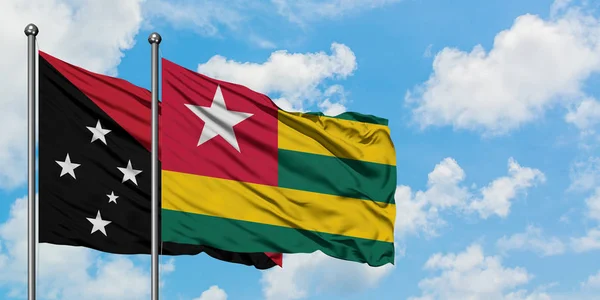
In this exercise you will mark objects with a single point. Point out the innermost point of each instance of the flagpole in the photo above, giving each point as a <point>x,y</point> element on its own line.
<point>154,39</point>
<point>31,32</point>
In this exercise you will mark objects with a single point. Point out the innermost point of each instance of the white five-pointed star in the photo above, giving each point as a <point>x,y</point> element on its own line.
<point>218,120</point>
<point>98,132</point>
<point>67,167</point>
<point>129,173</point>
<point>112,197</point>
<point>98,223</point>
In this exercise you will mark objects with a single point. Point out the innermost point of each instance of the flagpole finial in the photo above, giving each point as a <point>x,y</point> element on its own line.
<point>154,38</point>
<point>31,29</point>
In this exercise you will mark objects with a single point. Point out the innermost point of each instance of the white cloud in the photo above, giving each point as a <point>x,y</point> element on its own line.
<point>589,290</point>
<point>471,275</point>
<point>92,34</point>
<point>420,212</point>
<point>593,205</point>
<point>331,109</point>
<point>533,240</point>
<point>524,295</point>
<point>296,78</point>
<point>317,273</point>
<point>213,293</point>
<point>498,194</point>
<point>443,183</point>
<point>593,282</point>
<point>585,175</point>
<point>427,52</point>
<point>84,273</point>
<point>559,5</point>
<point>586,115</point>
<point>533,66</point>
<point>309,10</point>
<point>168,266</point>
<point>589,242</point>
<point>262,42</point>
<point>244,18</point>
<point>202,16</point>
<point>446,190</point>
<point>335,99</point>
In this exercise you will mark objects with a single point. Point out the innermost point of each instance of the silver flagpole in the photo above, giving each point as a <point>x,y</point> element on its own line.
<point>31,32</point>
<point>154,39</point>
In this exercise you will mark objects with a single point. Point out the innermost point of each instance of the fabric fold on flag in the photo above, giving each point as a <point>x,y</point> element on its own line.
<point>271,180</point>
<point>94,166</point>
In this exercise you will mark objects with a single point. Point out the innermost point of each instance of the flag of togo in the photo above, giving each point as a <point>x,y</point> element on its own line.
<point>272,180</point>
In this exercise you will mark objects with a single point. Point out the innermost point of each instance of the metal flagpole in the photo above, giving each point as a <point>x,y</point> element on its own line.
<point>154,39</point>
<point>31,32</point>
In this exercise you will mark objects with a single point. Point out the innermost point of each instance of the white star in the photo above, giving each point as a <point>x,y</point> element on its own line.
<point>67,167</point>
<point>112,197</point>
<point>218,120</point>
<point>129,173</point>
<point>99,224</point>
<point>98,132</point>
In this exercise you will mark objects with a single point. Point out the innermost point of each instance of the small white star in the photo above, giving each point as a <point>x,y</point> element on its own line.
<point>129,173</point>
<point>67,167</point>
<point>112,197</point>
<point>218,120</point>
<point>99,224</point>
<point>98,132</point>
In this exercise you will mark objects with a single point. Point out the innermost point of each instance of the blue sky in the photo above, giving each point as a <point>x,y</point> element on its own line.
<point>493,110</point>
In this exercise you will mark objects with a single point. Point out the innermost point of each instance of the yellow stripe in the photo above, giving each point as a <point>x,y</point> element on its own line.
<point>277,206</point>
<point>335,137</point>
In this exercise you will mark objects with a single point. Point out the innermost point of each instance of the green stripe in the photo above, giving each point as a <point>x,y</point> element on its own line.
<point>242,236</point>
<point>354,116</point>
<point>336,176</point>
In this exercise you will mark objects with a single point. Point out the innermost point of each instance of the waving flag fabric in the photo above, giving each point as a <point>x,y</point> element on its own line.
<point>240,174</point>
<point>94,166</point>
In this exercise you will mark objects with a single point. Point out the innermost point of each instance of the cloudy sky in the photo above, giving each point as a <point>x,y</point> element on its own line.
<point>493,107</point>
